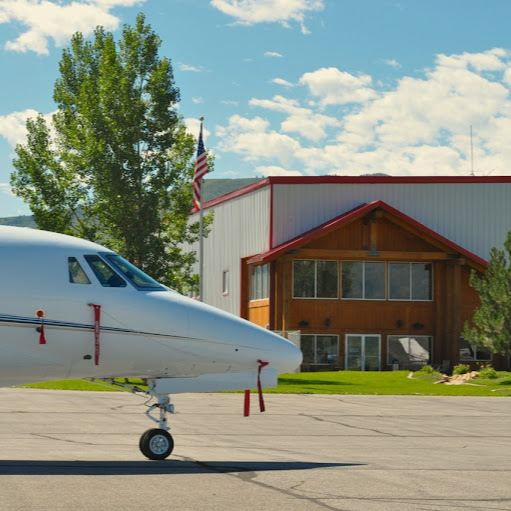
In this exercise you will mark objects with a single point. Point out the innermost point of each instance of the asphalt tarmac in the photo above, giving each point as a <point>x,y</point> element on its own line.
<point>62,450</point>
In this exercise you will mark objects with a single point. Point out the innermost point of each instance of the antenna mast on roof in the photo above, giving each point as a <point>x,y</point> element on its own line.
<point>471,153</point>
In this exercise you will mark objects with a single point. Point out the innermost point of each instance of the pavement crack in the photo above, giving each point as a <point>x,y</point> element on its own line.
<point>319,419</point>
<point>250,476</point>
<point>61,439</point>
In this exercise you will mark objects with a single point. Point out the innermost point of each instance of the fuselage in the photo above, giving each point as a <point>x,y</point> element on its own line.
<point>49,286</point>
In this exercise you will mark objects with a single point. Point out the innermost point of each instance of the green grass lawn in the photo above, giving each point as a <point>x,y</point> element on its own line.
<point>348,382</point>
<point>387,383</point>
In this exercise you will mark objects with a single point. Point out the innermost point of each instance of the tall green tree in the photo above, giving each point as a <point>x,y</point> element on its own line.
<point>492,320</point>
<point>116,164</point>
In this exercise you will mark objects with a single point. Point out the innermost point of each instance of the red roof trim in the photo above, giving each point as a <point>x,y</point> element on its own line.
<point>270,241</point>
<point>233,195</point>
<point>318,180</point>
<point>345,218</point>
<point>388,179</point>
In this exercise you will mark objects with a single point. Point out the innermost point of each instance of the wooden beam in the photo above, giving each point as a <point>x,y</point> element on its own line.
<point>316,253</point>
<point>456,310</point>
<point>373,234</point>
<point>273,293</point>
<point>287,286</point>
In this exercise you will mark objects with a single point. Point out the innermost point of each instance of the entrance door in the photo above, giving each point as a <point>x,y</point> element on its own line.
<point>363,352</point>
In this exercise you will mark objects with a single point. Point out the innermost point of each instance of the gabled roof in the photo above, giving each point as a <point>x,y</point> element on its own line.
<point>350,216</point>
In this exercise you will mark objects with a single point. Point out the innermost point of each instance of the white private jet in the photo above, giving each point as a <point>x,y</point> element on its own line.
<point>70,309</point>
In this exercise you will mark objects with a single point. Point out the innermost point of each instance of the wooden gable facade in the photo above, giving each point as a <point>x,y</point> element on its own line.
<point>372,289</point>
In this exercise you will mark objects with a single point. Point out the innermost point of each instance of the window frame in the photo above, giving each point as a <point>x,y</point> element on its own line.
<point>225,282</point>
<point>108,257</point>
<point>384,263</point>
<point>473,347</point>
<point>410,282</point>
<point>259,282</point>
<point>89,257</point>
<point>74,259</point>
<point>409,337</point>
<point>315,336</point>
<point>316,297</point>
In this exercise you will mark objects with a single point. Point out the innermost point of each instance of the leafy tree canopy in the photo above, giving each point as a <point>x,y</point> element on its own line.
<point>116,164</point>
<point>492,320</point>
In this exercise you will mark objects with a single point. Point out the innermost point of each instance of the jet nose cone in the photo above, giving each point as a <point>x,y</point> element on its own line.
<point>286,357</point>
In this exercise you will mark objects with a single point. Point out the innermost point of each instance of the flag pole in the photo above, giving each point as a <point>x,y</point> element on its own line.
<point>201,255</point>
<point>201,252</point>
<point>201,240</point>
<point>201,169</point>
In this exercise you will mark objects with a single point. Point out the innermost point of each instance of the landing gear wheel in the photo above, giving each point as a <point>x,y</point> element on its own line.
<point>156,444</point>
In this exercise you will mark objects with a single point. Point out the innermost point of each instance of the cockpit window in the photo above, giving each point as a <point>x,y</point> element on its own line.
<point>132,273</point>
<point>76,273</point>
<point>106,276</point>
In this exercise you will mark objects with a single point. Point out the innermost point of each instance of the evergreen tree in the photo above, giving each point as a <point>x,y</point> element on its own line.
<point>116,164</point>
<point>492,320</point>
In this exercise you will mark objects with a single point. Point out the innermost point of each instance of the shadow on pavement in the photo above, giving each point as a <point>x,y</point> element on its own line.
<point>45,467</point>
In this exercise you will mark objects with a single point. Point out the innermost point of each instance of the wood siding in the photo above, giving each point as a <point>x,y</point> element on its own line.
<point>442,318</point>
<point>259,312</point>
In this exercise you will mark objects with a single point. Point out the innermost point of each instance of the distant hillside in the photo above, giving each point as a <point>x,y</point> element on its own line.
<point>212,189</point>
<point>19,221</point>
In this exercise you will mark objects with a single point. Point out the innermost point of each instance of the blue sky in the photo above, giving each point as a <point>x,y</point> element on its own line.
<point>296,87</point>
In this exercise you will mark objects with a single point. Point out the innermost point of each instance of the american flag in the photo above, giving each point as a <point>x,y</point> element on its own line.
<point>201,169</point>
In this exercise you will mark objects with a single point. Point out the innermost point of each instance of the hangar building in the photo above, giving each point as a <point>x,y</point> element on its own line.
<point>367,273</point>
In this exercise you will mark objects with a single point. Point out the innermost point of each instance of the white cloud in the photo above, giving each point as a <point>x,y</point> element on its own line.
<point>272,54</point>
<point>249,12</point>
<point>45,20</point>
<point>277,104</point>
<point>251,139</point>
<point>285,83</point>
<point>487,61</point>
<point>392,63</point>
<point>13,126</point>
<point>420,127</point>
<point>5,189</point>
<point>334,87</point>
<point>198,100</point>
<point>188,67</point>
<point>300,120</point>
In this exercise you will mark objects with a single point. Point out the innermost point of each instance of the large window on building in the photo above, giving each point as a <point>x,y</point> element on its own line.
<point>409,351</point>
<point>410,281</point>
<point>320,349</point>
<point>470,352</point>
<point>259,282</point>
<point>362,280</point>
<point>315,279</point>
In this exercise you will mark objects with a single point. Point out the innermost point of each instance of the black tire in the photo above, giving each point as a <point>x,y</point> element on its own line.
<point>156,444</point>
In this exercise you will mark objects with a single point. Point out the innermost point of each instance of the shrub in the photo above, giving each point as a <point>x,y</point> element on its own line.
<point>461,369</point>
<point>427,373</point>
<point>427,370</point>
<point>488,372</point>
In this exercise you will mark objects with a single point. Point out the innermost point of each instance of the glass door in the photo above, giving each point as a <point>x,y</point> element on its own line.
<point>363,352</point>
<point>353,353</point>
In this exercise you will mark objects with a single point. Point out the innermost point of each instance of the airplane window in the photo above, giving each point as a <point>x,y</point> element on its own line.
<point>106,276</point>
<point>131,272</point>
<point>76,273</point>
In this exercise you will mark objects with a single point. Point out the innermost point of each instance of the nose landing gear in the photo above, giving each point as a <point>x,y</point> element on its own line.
<point>157,443</point>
